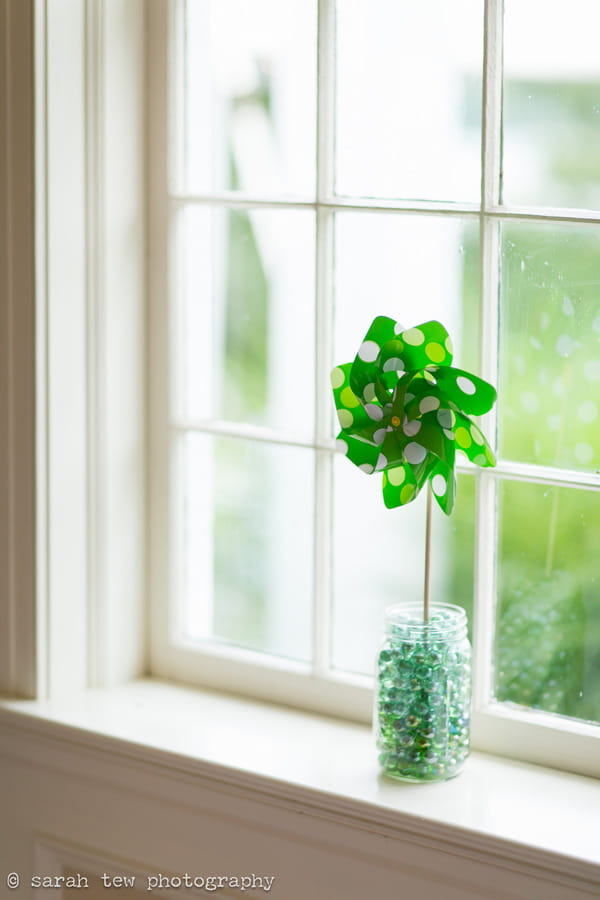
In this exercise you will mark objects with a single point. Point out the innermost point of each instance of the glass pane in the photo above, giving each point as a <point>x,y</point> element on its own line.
<point>411,268</point>
<point>408,102</point>
<point>548,617</point>
<point>246,320</point>
<point>551,103</point>
<point>245,570</point>
<point>249,96</point>
<point>550,345</point>
<point>379,560</point>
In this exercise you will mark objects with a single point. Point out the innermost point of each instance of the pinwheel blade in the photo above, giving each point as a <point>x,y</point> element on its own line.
<point>404,410</point>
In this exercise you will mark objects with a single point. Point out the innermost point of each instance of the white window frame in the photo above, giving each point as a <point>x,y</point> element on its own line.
<point>527,734</point>
<point>72,611</point>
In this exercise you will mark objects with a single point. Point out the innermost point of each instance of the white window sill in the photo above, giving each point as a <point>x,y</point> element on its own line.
<point>328,768</point>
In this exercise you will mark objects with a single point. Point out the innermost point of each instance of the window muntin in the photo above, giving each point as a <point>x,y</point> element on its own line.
<point>341,277</point>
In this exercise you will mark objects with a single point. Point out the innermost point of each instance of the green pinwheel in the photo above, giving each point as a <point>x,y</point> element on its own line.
<point>404,411</point>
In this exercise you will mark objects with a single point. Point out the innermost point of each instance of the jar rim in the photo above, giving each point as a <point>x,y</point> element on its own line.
<point>405,619</point>
<point>417,607</point>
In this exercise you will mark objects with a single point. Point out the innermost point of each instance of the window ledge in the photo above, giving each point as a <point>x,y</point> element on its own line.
<point>522,816</point>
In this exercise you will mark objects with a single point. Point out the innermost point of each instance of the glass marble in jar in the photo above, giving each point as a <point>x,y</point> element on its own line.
<point>423,693</point>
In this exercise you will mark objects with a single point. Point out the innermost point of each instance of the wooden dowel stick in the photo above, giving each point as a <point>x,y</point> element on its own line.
<point>427,555</point>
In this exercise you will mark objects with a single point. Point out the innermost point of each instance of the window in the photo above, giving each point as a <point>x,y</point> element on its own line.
<point>316,164</point>
<point>73,560</point>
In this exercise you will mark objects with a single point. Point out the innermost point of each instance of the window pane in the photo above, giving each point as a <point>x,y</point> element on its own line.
<point>249,96</point>
<point>379,560</point>
<point>245,568</point>
<point>408,99</point>
<point>247,317</point>
<point>550,345</point>
<point>411,268</point>
<point>551,103</point>
<point>548,618</point>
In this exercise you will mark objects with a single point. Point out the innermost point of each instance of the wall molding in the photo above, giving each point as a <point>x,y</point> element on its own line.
<point>52,855</point>
<point>72,345</point>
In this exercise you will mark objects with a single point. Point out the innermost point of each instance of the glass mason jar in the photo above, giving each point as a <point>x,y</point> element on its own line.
<point>423,693</point>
